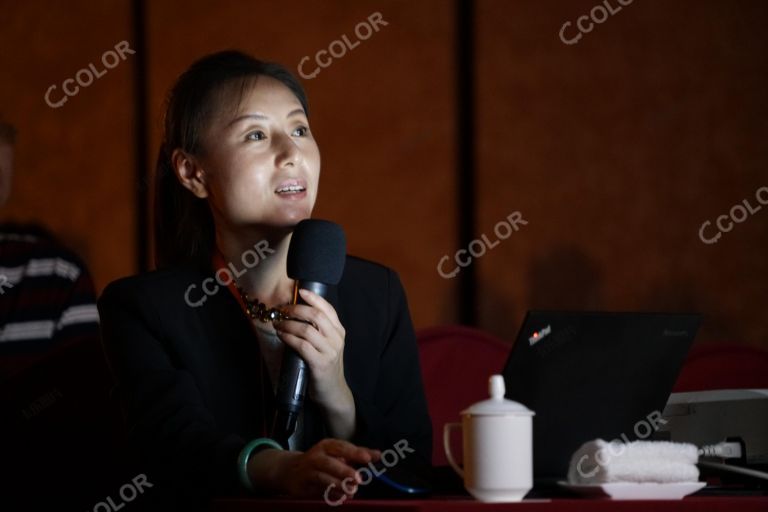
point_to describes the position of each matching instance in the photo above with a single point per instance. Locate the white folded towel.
(598, 462)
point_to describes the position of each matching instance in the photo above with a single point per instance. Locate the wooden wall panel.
(616, 149)
(74, 168)
(382, 114)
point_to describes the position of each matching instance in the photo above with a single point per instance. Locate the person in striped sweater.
(47, 298)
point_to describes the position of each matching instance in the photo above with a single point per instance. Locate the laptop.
(590, 375)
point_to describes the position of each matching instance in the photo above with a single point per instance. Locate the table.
(456, 504)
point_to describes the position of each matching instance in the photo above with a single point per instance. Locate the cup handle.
(447, 446)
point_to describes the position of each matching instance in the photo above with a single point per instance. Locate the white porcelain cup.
(498, 447)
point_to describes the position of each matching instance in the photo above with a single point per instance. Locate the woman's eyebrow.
(263, 117)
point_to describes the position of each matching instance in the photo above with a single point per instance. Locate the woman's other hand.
(325, 470)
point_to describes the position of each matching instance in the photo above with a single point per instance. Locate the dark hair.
(184, 229)
(7, 133)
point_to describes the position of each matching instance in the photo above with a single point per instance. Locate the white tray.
(636, 491)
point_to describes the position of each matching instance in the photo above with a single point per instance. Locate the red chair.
(456, 362)
(723, 366)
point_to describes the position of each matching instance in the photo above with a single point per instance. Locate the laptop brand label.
(540, 335)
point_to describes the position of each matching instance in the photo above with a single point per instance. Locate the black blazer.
(190, 384)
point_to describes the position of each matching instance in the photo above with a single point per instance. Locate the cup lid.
(497, 405)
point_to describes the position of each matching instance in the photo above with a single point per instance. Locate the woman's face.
(260, 162)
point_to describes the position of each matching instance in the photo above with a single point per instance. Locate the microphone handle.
(290, 396)
(321, 289)
(293, 378)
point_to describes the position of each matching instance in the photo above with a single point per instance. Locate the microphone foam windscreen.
(317, 252)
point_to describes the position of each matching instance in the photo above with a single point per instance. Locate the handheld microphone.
(316, 260)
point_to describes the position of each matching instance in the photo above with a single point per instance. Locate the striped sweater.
(47, 298)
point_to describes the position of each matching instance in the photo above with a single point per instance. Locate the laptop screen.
(591, 375)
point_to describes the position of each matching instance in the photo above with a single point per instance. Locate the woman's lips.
(292, 189)
(292, 196)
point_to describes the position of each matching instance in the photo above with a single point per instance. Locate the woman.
(238, 169)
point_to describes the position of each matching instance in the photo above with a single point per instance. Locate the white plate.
(636, 491)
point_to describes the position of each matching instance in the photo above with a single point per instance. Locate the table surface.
(438, 504)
